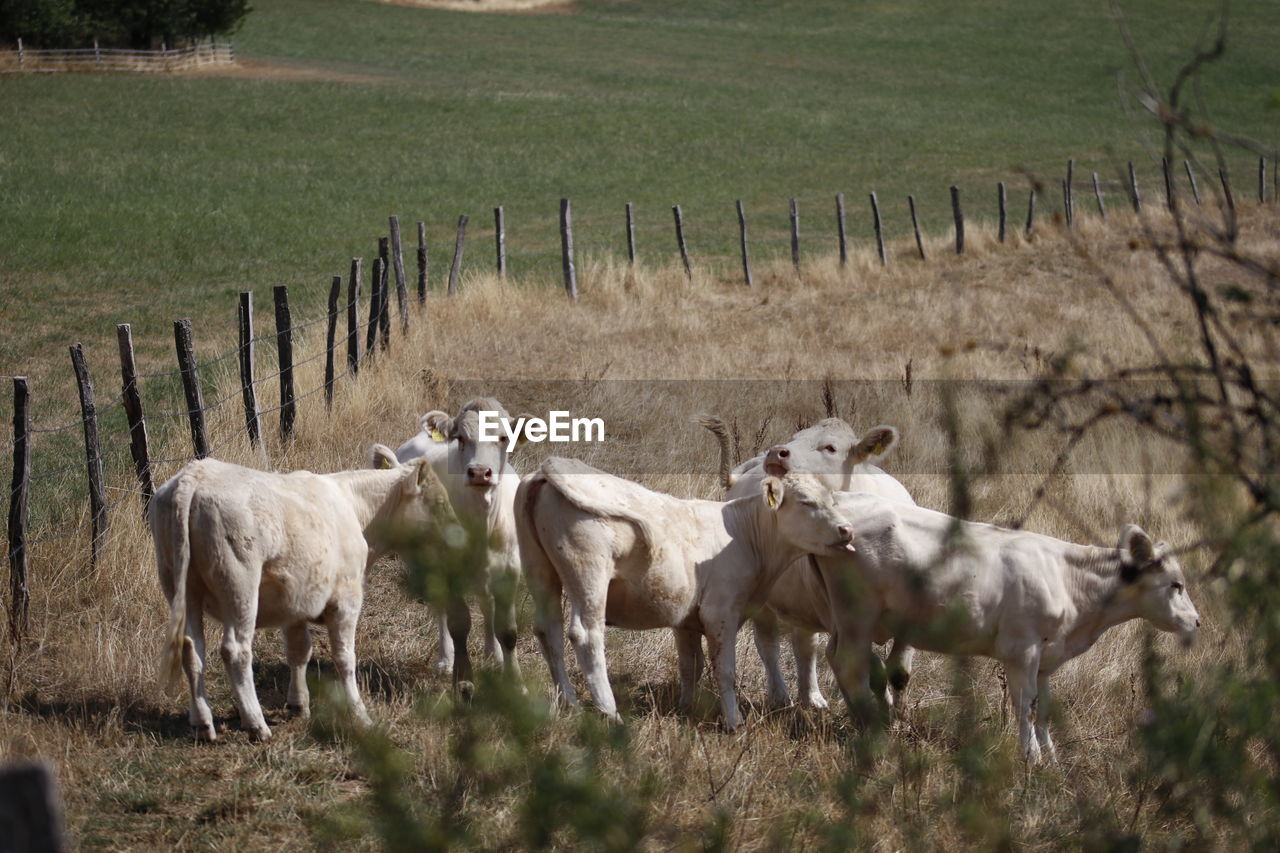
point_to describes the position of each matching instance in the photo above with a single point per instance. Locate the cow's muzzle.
(845, 545)
(480, 475)
(777, 462)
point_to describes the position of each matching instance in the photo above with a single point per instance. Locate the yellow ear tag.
(437, 436)
(386, 463)
(773, 502)
(878, 448)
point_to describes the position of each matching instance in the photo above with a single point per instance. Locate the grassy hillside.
(147, 197)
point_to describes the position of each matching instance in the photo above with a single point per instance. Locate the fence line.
(25, 60)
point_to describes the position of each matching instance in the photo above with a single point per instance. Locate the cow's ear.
(875, 444)
(438, 425)
(1137, 551)
(773, 492)
(382, 457)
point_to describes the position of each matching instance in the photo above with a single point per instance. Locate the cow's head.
(424, 498)
(1152, 575)
(480, 463)
(830, 450)
(805, 514)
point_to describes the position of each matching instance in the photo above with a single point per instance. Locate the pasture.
(141, 199)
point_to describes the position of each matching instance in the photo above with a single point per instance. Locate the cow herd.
(812, 537)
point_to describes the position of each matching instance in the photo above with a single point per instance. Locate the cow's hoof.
(444, 666)
(260, 735)
(303, 711)
(205, 734)
(817, 701)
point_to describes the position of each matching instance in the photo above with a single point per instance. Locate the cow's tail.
(560, 475)
(721, 432)
(178, 549)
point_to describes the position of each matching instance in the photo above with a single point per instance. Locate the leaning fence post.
(915, 225)
(132, 401)
(684, 248)
(1191, 178)
(1097, 193)
(1002, 204)
(959, 218)
(353, 315)
(742, 239)
(566, 249)
(841, 235)
(384, 288)
(422, 262)
(284, 347)
(19, 594)
(1226, 189)
(375, 307)
(335, 289)
(1069, 194)
(1031, 209)
(1168, 182)
(248, 390)
(92, 453)
(875, 215)
(183, 341)
(397, 261)
(631, 234)
(1262, 180)
(456, 269)
(795, 236)
(500, 237)
(1134, 198)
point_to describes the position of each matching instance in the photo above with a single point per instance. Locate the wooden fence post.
(284, 346)
(194, 395)
(456, 270)
(92, 454)
(684, 248)
(1097, 194)
(19, 594)
(1191, 178)
(97, 56)
(959, 218)
(375, 308)
(1168, 182)
(422, 262)
(1134, 198)
(915, 225)
(1226, 189)
(875, 215)
(566, 249)
(353, 316)
(1002, 206)
(841, 234)
(384, 289)
(248, 390)
(397, 260)
(500, 237)
(1031, 209)
(1069, 194)
(335, 289)
(631, 234)
(795, 236)
(132, 401)
(742, 240)
(1262, 180)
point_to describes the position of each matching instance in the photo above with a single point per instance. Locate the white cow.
(639, 559)
(257, 549)
(1030, 601)
(482, 488)
(832, 451)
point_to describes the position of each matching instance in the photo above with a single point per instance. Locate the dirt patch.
(258, 68)
(545, 7)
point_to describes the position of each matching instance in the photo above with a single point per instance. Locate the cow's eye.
(830, 448)
(1177, 587)
(810, 504)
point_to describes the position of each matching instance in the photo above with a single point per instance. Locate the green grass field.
(142, 198)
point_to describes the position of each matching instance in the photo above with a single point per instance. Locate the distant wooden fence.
(111, 59)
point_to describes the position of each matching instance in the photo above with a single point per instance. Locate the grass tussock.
(646, 349)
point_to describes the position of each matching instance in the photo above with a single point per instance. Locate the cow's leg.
(1043, 709)
(504, 614)
(1021, 672)
(691, 662)
(297, 644)
(492, 648)
(200, 715)
(548, 627)
(765, 627)
(459, 628)
(899, 671)
(806, 669)
(586, 632)
(237, 655)
(341, 621)
(444, 650)
(849, 652)
(720, 643)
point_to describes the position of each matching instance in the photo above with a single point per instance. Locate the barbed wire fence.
(766, 236)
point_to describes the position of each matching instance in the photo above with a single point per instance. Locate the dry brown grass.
(81, 691)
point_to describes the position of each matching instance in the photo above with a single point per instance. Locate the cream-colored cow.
(1030, 601)
(843, 460)
(256, 549)
(639, 559)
